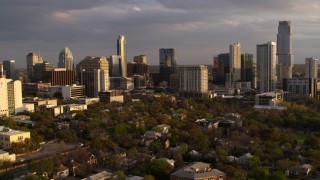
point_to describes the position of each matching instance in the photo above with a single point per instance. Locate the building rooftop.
(7, 131)
(197, 170)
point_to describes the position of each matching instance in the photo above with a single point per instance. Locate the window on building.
(211, 178)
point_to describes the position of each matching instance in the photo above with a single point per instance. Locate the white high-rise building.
(311, 68)
(284, 50)
(101, 81)
(4, 109)
(235, 58)
(193, 80)
(122, 51)
(66, 59)
(11, 97)
(266, 62)
(14, 96)
(234, 64)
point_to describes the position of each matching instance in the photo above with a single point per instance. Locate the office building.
(90, 76)
(32, 59)
(197, 171)
(311, 68)
(114, 66)
(68, 92)
(59, 76)
(122, 51)
(266, 63)
(141, 59)
(111, 96)
(40, 69)
(35, 89)
(168, 64)
(270, 100)
(66, 59)
(299, 88)
(123, 83)
(135, 68)
(193, 81)
(248, 69)
(284, 50)
(221, 66)
(9, 68)
(9, 136)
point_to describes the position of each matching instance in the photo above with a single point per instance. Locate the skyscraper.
(122, 51)
(168, 63)
(115, 66)
(284, 50)
(66, 59)
(235, 60)
(311, 68)
(32, 59)
(141, 59)
(266, 62)
(40, 69)
(246, 67)
(9, 68)
(91, 71)
(193, 80)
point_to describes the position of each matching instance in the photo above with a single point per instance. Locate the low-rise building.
(74, 107)
(88, 101)
(270, 100)
(197, 171)
(111, 96)
(8, 136)
(68, 92)
(5, 156)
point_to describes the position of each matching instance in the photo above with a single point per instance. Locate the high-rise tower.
(284, 50)
(122, 51)
(266, 62)
(235, 60)
(168, 63)
(311, 68)
(66, 59)
(9, 68)
(32, 59)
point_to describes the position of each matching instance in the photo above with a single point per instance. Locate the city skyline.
(198, 30)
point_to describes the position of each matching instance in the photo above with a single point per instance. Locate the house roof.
(197, 170)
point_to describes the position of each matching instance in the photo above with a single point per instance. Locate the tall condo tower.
(311, 70)
(66, 59)
(266, 62)
(284, 50)
(193, 80)
(122, 51)
(9, 68)
(235, 60)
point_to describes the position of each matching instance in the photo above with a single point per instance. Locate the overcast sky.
(198, 29)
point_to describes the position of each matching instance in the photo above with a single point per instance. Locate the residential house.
(244, 158)
(61, 172)
(197, 171)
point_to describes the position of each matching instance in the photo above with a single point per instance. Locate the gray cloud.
(198, 29)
